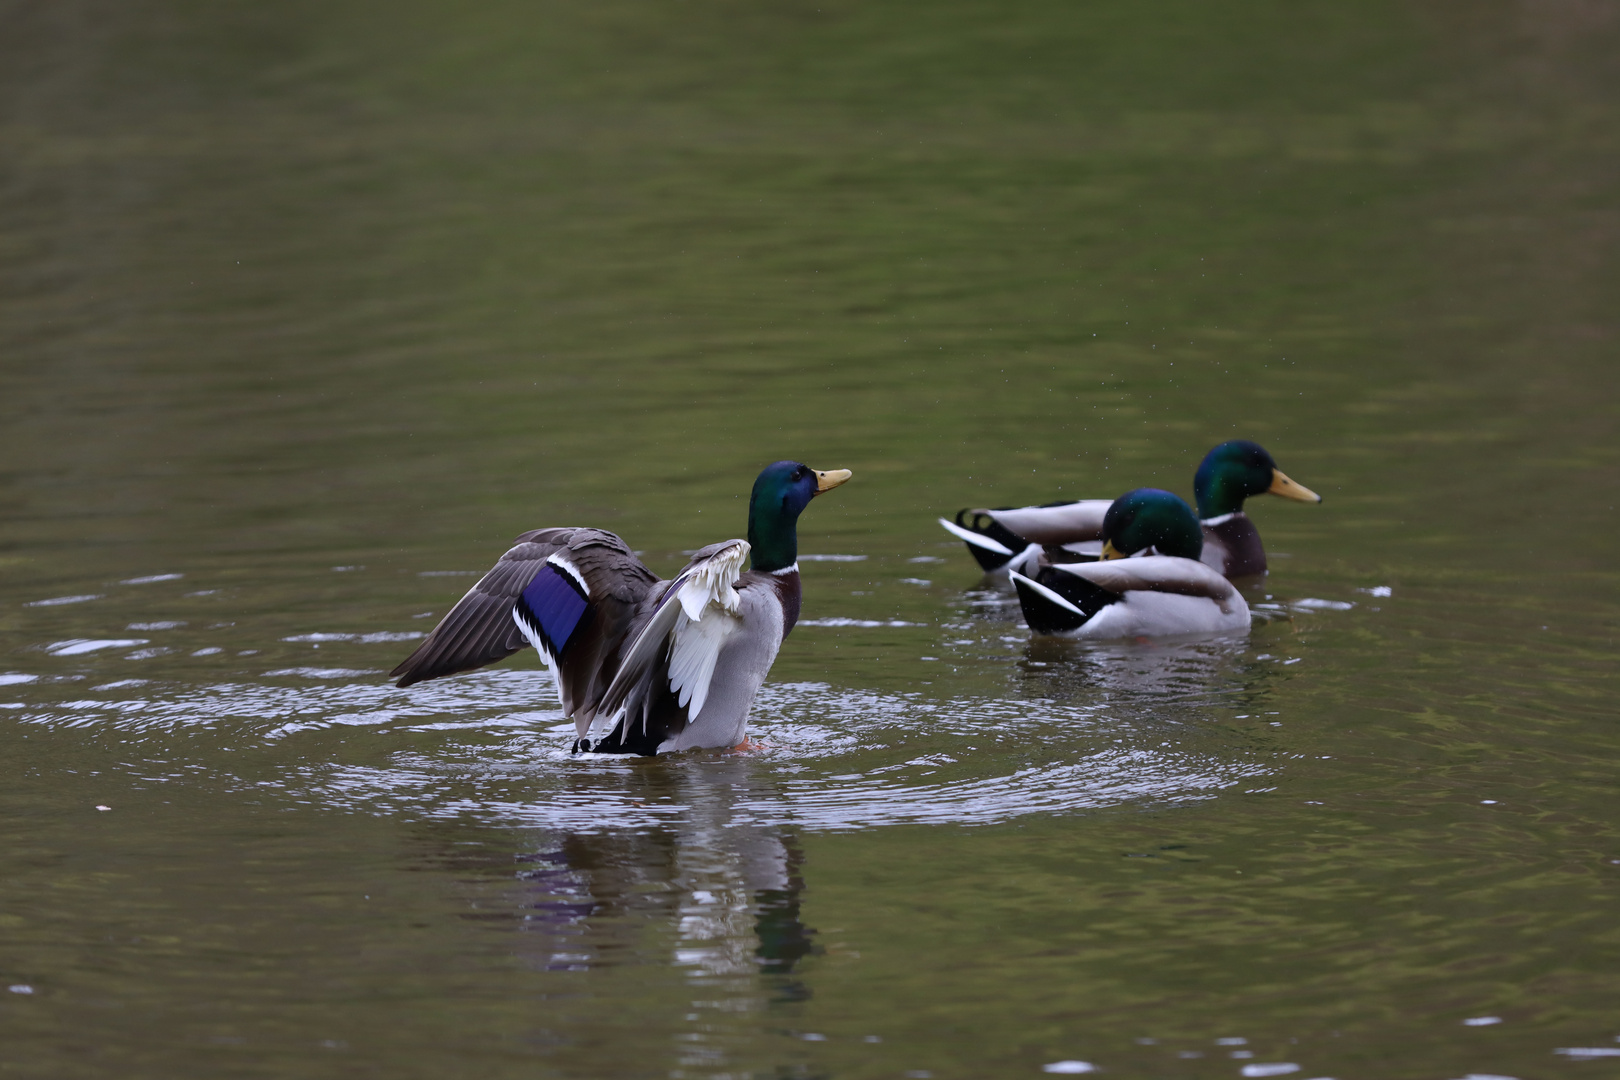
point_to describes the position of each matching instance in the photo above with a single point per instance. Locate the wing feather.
(586, 600)
(1063, 523)
(978, 540)
(695, 649)
(680, 642)
(465, 638)
(1155, 573)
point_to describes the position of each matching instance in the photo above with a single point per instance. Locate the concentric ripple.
(493, 746)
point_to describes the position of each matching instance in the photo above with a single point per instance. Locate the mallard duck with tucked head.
(1149, 581)
(1019, 538)
(642, 665)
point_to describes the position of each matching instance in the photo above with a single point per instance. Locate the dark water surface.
(306, 309)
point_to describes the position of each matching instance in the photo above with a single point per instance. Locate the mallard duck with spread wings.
(642, 665)
(1148, 582)
(1019, 538)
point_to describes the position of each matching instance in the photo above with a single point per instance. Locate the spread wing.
(571, 593)
(675, 652)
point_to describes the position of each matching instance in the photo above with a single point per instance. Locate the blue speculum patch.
(555, 605)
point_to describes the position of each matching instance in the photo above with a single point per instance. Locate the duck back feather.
(1151, 596)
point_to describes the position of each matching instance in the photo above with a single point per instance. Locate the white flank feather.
(711, 582)
(1143, 613)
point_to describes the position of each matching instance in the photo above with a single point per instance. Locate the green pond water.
(307, 308)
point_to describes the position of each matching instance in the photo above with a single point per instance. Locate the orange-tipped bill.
(1281, 485)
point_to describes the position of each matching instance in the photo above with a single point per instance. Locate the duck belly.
(1155, 614)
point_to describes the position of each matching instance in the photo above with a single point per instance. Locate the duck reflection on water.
(727, 891)
(1157, 667)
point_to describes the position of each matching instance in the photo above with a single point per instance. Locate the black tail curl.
(978, 521)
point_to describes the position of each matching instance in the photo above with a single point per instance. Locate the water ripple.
(832, 758)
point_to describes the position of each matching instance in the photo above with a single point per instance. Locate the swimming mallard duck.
(1017, 538)
(643, 666)
(1149, 581)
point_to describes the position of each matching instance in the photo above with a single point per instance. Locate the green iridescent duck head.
(1151, 518)
(1235, 470)
(781, 492)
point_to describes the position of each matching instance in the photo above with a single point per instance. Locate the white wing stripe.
(545, 657)
(974, 538)
(1044, 591)
(571, 570)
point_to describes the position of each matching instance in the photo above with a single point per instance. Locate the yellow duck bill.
(826, 481)
(1288, 489)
